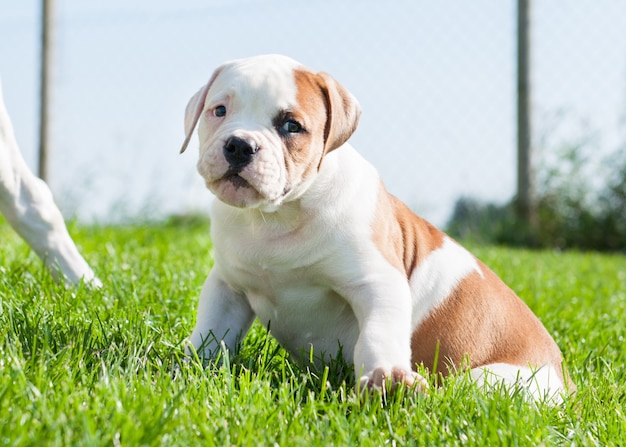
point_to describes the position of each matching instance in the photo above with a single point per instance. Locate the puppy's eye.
(219, 111)
(292, 126)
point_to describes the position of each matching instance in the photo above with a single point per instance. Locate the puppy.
(28, 206)
(308, 240)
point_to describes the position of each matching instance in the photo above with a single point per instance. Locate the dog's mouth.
(236, 180)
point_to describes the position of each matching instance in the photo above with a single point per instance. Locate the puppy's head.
(265, 124)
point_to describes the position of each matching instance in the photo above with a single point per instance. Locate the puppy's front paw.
(389, 379)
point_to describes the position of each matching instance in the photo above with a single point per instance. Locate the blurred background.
(436, 82)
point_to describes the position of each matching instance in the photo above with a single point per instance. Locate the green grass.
(102, 367)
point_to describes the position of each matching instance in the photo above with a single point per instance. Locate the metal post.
(45, 105)
(526, 205)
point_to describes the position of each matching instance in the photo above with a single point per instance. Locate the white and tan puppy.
(308, 240)
(27, 204)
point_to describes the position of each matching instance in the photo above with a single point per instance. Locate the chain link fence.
(436, 81)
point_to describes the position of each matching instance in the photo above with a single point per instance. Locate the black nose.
(238, 152)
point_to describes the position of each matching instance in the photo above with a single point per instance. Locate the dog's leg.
(28, 206)
(542, 384)
(223, 316)
(382, 355)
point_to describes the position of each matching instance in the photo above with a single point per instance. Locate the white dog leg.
(27, 204)
(542, 384)
(223, 317)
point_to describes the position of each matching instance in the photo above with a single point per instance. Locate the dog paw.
(389, 379)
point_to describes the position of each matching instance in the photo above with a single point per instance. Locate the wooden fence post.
(526, 204)
(45, 104)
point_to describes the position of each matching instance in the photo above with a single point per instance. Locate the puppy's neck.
(286, 214)
(285, 218)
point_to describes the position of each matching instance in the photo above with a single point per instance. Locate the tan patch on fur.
(320, 93)
(303, 151)
(404, 239)
(483, 321)
(343, 112)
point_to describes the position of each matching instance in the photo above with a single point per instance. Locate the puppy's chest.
(259, 260)
(273, 281)
(291, 292)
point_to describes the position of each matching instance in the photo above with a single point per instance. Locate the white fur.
(438, 275)
(542, 384)
(28, 206)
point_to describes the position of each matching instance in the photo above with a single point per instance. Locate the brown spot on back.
(402, 237)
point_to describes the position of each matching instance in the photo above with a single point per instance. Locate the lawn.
(103, 367)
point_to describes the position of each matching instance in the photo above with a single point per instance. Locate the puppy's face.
(265, 124)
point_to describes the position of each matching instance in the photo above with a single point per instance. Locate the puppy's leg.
(382, 355)
(542, 384)
(28, 206)
(223, 316)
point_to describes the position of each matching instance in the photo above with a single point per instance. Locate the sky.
(436, 82)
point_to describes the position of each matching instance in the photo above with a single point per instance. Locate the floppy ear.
(194, 110)
(343, 112)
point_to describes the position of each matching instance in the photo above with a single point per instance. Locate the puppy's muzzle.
(239, 152)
